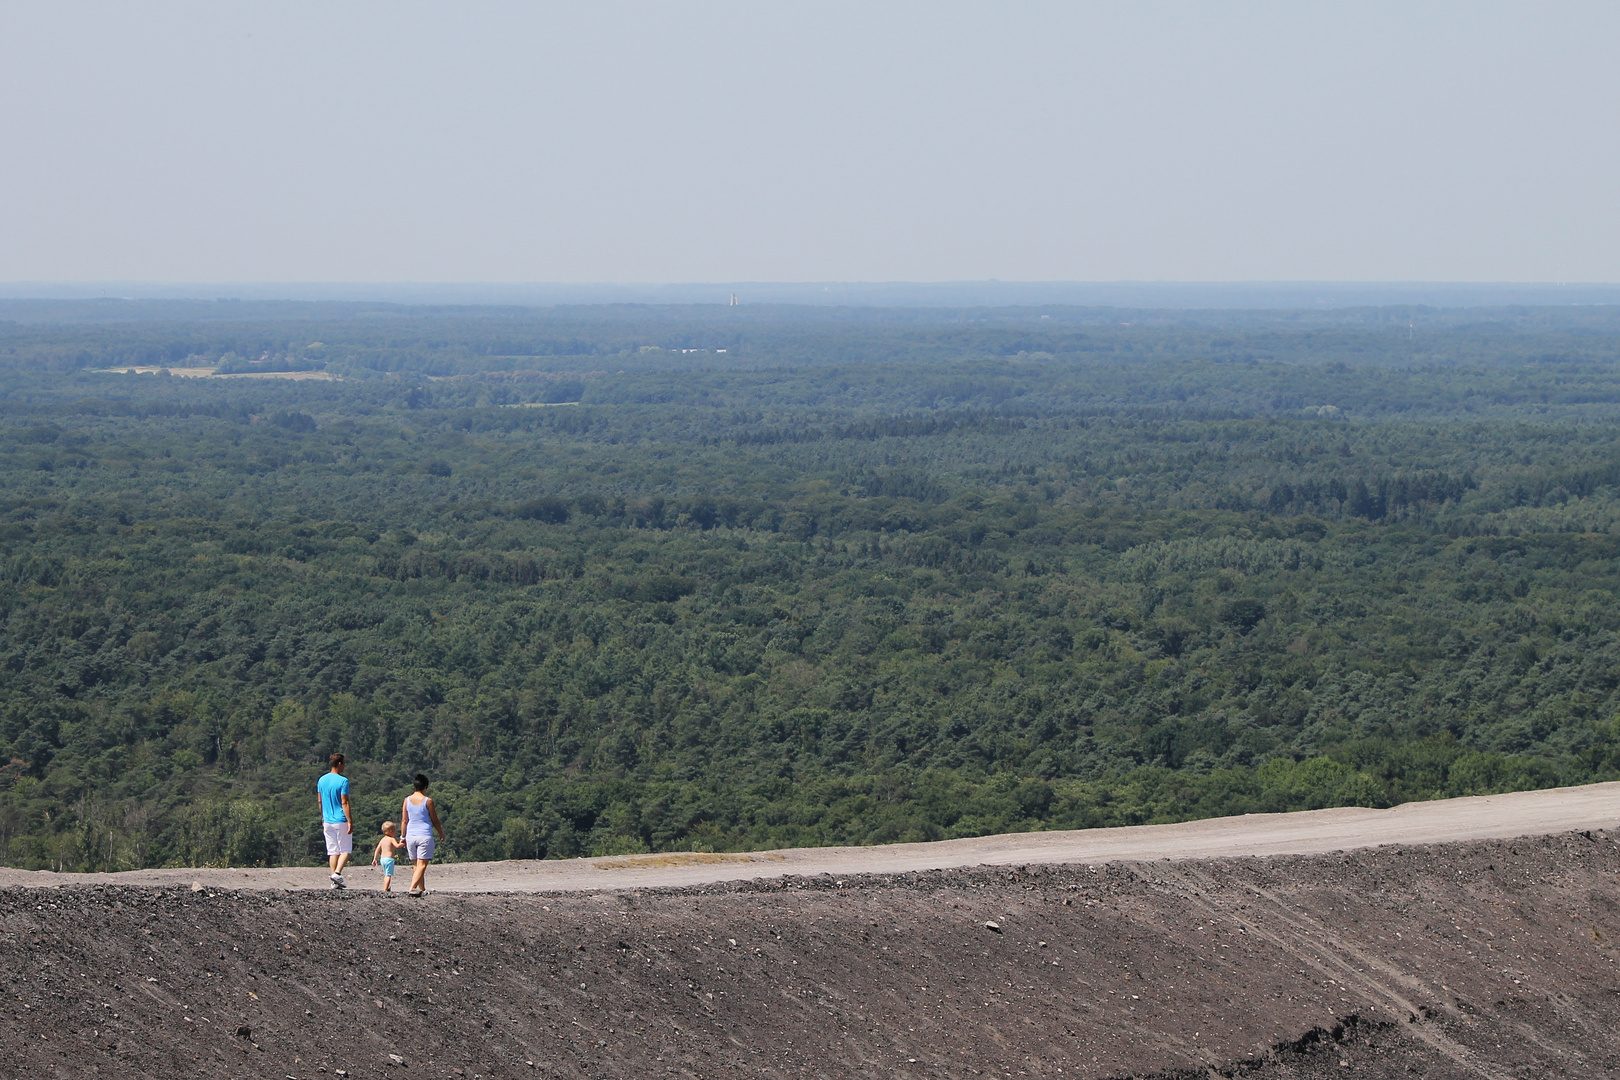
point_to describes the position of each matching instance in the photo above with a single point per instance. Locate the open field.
(211, 373)
(149, 369)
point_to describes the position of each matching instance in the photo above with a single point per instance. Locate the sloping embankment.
(1485, 959)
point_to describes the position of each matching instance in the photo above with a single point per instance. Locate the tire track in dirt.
(1317, 945)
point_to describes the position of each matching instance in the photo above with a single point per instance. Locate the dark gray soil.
(1485, 959)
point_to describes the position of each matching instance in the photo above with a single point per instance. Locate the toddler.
(384, 855)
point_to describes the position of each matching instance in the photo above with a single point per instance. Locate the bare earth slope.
(1480, 958)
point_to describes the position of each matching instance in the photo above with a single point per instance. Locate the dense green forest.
(859, 577)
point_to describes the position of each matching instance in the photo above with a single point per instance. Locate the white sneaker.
(337, 882)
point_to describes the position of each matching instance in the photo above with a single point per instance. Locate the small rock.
(196, 886)
(1043, 944)
(244, 1032)
(396, 1059)
(993, 926)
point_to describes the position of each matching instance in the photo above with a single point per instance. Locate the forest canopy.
(635, 579)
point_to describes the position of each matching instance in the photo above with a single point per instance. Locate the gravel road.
(1312, 832)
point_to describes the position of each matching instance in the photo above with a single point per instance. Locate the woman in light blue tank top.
(421, 820)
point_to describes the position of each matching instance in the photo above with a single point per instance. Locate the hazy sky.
(809, 141)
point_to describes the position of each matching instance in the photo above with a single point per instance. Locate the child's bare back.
(386, 851)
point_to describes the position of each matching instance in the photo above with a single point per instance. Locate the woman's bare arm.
(433, 813)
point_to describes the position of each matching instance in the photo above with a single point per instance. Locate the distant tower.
(733, 299)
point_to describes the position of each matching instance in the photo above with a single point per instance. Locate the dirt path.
(1488, 817)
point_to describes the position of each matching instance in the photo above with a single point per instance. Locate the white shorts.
(419, 847)
(339, 838)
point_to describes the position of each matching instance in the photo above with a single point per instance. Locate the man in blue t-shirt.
(335, 820)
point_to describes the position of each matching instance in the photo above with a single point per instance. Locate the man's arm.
(348, 818)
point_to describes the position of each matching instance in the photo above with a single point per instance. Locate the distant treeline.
(857, 579)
